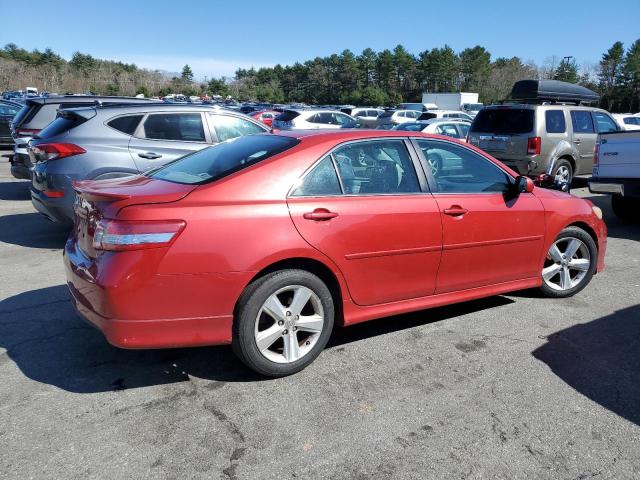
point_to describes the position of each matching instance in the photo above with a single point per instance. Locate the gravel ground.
(508, 387)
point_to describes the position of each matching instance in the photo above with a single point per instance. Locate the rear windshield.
(25, 114)
(503, 120)
(60, 125)
(287, 116)
(223, 159)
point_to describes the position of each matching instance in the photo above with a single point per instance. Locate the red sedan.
(267, 241)
(265, 116)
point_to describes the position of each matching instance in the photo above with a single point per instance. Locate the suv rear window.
(223, 159)
(504, 120)
(126, 124)
(61, 124)
(287, 116)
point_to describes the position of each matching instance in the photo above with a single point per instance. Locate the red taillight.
(534, 145)
(55, 151)
(53, 193)
(27, 132)
(135, 235)
(596, 153)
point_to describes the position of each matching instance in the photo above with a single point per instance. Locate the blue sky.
(216, 38)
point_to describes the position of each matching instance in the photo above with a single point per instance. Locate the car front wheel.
(570, 263)
(282, 323)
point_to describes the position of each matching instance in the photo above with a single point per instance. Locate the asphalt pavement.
(509, 387)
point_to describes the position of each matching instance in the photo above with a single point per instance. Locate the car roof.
(89, 99)
(444, 120)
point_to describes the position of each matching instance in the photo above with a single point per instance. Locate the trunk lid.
(96, 200)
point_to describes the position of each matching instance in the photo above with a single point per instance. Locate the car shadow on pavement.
(601, 360)
(49, 343)
(32, 230)
(15, 191)
(615, 228)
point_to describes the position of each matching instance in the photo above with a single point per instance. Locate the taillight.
(534, 145)
(135, 235)
(55, 151)
(596, 153)
(27, 132)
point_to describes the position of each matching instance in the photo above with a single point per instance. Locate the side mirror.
(523, 184)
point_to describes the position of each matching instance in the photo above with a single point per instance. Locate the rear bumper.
(523, 166)
(136, 308)
(55, 209)
(615, 186)
(20, 166)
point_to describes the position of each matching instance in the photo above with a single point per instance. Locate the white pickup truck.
(616, 170)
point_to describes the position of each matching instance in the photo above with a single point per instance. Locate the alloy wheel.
(289, 324)
(563, 174)
(566, 264)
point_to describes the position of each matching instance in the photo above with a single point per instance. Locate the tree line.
(386, 77)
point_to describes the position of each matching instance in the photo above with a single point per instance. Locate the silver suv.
(548, 134)
(108, 142)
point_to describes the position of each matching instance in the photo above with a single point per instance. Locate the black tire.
(626, 209)
(583, 236)
(562, 164)
(249, 305)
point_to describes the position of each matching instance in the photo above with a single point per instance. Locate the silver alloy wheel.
(563, 174)
(289, 324)
(567, 264)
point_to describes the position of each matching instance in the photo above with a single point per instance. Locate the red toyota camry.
(268, 241)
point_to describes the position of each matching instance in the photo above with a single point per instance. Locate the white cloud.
(201, 66)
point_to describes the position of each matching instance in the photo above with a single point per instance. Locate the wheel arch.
(321, 270)
(588, 229)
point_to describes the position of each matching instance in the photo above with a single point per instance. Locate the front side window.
(223, 159)
(581, 121)
(604, 123)
(186, 127)
(456, 169)
(321, 181)
(376, 167)
(228, 127)
(555, 121)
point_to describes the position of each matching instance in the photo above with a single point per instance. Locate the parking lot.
(507, 387)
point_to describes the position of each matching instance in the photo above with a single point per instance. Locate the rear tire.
(570, 263)
(563, 171)
(282, 322)
(626, 209)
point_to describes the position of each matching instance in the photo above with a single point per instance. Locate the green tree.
(567, 71)
(187, 74)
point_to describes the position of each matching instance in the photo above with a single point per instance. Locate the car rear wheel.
(282, 323)
(570, 263)
(563, 172)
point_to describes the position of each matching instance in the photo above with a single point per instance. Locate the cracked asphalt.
(508, 387)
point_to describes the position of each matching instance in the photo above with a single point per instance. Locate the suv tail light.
(534, 145)
(27, 132)
(118, 235)
(55, 151)
(596, 153)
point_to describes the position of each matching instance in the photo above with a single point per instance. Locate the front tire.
(570, 263)
(282, 322)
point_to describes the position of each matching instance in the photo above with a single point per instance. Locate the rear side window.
(186, 127)
(604, 123)
(223, 159)
(60, 125)
(555, 121)
(504, 120)
(126, 124)
(581, 121)
(228, 127)
(321, 181)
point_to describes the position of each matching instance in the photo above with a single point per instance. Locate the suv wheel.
(570, 263)
(283, 321)
(563, 172)
(626, 209)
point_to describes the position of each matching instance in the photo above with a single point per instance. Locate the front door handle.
(149, 155)
(319, 215)
(455, 211)
(577, 141)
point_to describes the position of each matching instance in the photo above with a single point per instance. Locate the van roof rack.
(551, 91)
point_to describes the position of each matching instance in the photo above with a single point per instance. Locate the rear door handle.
(319, 215)
(577, 141)
(149, 155)
(455, 211)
